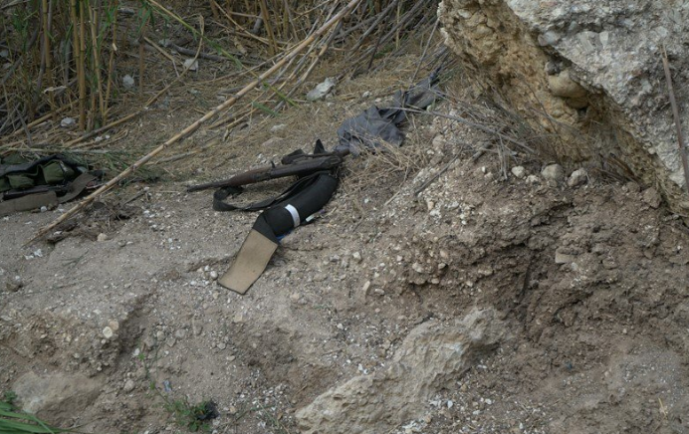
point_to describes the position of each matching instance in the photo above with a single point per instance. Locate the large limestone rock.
(58, 396)
(588, 71)
(432, 356)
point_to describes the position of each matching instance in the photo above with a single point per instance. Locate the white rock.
(128, 82)
(68, 122)
(532, 179)
(191, 65)
(128, 386)
(102, 237)
(108, 333)
(578, 177)
(320, 91)
(553, 172)
(518, 171)
(276, 128)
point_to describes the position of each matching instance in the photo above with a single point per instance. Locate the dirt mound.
(589, 281)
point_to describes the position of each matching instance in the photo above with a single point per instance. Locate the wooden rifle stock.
(308, 166)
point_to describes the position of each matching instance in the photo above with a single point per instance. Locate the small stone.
(238, 318)
(450, 404)
(518, 172)
(214, 275)
(44, 209)
(652, 197)
(128, 386)
(191, 65)
(222, 346)
(532, 179)
(366, 286)
(181, 334)
(196, 328)
(108, 333)
(632, 187)
(578, 177)
(276, 128)
(295, 296)
(128, 82)
(320, 91)
(68, 122)
(366, 94)
(13, 285)
(357, 257)
(553, 172)
(563, 258)
(102, 237)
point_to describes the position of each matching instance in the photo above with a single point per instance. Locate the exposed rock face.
(56, 395)
(431, 356)
(589, 71)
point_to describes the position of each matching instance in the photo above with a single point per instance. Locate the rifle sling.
(221, 194)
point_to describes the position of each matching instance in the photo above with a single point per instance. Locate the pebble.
(128, 82)
(553, 172)
(13, 285)
(518, 171)
(108, 333)
(578, 177)
(321, 90)
(366, 287)
(357, 257)
(102, 237)
(214, 275)
(532, 179)
(181, 334)
(68, 122)
(366, 94)
(128, 386)
(222, 346)
(191, 65)
(238, 318)
(276, 128)
(652, 197)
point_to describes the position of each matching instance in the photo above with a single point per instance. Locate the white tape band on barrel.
(295, 215)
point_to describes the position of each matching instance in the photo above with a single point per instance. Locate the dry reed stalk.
(103, 128)
(272, 48)
(142, 64)
(46, 50)
(81, 79)
(111, 61)
(194, 126)
(93, 23)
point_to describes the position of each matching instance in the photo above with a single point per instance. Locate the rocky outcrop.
(430, 357)
(587, 71)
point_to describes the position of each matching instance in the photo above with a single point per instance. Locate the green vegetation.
(14, 421)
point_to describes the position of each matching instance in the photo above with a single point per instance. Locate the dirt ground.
(102, 328)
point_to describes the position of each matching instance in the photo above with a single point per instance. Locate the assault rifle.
(298, 163)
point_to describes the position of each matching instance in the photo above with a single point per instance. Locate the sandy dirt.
(103, 327)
